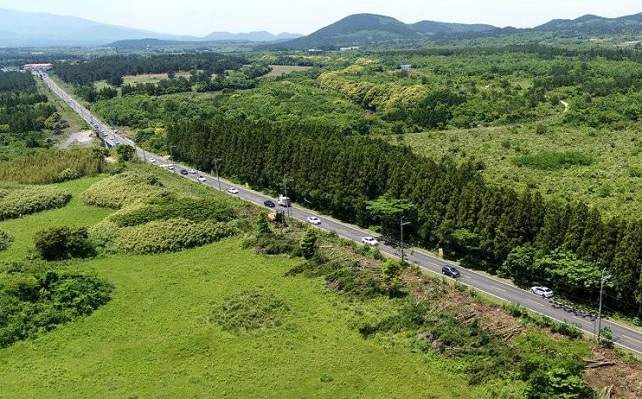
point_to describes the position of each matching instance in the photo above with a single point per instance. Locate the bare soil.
(280, 70)
(624, 376)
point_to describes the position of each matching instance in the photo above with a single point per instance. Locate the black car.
(183, 172)
(269, 203)
(450, 271)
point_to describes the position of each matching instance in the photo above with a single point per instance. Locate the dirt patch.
(84, 138)
(624, 376)
(280, 70)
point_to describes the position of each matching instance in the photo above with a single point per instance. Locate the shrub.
(58, 243)
(53, 166)
(308, 243)
(124, 189)
(28, 200)
(171, 235)
(38, 299)
(192, 209)
(5, 240)
(250, 310)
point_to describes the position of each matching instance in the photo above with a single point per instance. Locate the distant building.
(10, 69)
(405, 67)
(315, 50)
(351, 48)
(37, 67)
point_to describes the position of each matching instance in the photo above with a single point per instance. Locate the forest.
(24, 114)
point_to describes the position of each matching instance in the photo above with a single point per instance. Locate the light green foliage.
(168, 236)
(124, 189)
(23, 201)
(53, 166)
(554, 160)
(391, 274)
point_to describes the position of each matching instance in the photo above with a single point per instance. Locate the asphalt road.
(623, 336)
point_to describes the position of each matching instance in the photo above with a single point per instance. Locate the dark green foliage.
(251, 310)
(308, 243)
(273, 244)
(36, 299)
(5, 240)
(113, 68)
(554, 160)
(125, 153)
(557, 383)
(58, 243)
(194, 209)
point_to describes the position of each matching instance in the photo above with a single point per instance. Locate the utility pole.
(171, 153)
(287, 180)
(401, 224)
(603, 279)
(216, 161)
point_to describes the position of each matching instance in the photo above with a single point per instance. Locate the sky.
(201, 17)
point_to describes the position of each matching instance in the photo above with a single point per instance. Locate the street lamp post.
(603, 279)
(216, 161)
(401, 224)
(171, 153)
(286, 180)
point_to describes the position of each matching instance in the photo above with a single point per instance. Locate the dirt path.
(84, 138)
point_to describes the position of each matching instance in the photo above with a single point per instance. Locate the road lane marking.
(631, 338)
(498, 288)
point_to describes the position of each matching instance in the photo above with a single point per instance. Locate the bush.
(193, 209)
(5, 240)
(124, 189)
(58, 243)
(171, 235)
(554, 160)
(28, 200)
(39, 299)
(250, 310)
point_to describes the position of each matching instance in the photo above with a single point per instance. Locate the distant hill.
(261, 36)
(25, 29)
(365, 29)
(355, 30)
(433, 27)
(595, 24)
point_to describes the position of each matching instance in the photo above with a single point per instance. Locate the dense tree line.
(477, 223)
(113, 68)
(164, 86)
(24, 112)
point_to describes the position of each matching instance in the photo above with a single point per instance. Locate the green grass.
(155, 340)
(75, 214)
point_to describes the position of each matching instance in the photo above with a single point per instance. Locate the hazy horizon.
(197, 18)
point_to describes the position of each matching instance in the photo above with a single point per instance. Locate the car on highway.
(369, 240)
(314, 220)
(202, 179)
(170, 167)
(183, 172)
(542, 291)
(233, 190)
(152, 160)
(450, 271)
(269, 204)
(192, 171)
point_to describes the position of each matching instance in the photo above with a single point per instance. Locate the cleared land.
(280, 70)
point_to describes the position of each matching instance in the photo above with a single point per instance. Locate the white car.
(369, 240)
(152, 160)
(233, 190)
(202, 179)
(544, 292)
(192, 171)
(314, 220)
(170, 167)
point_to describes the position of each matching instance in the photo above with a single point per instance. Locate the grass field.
(155, 339)
(613, 182)
(150, 77)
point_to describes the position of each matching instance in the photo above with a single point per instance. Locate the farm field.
(280, 70)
